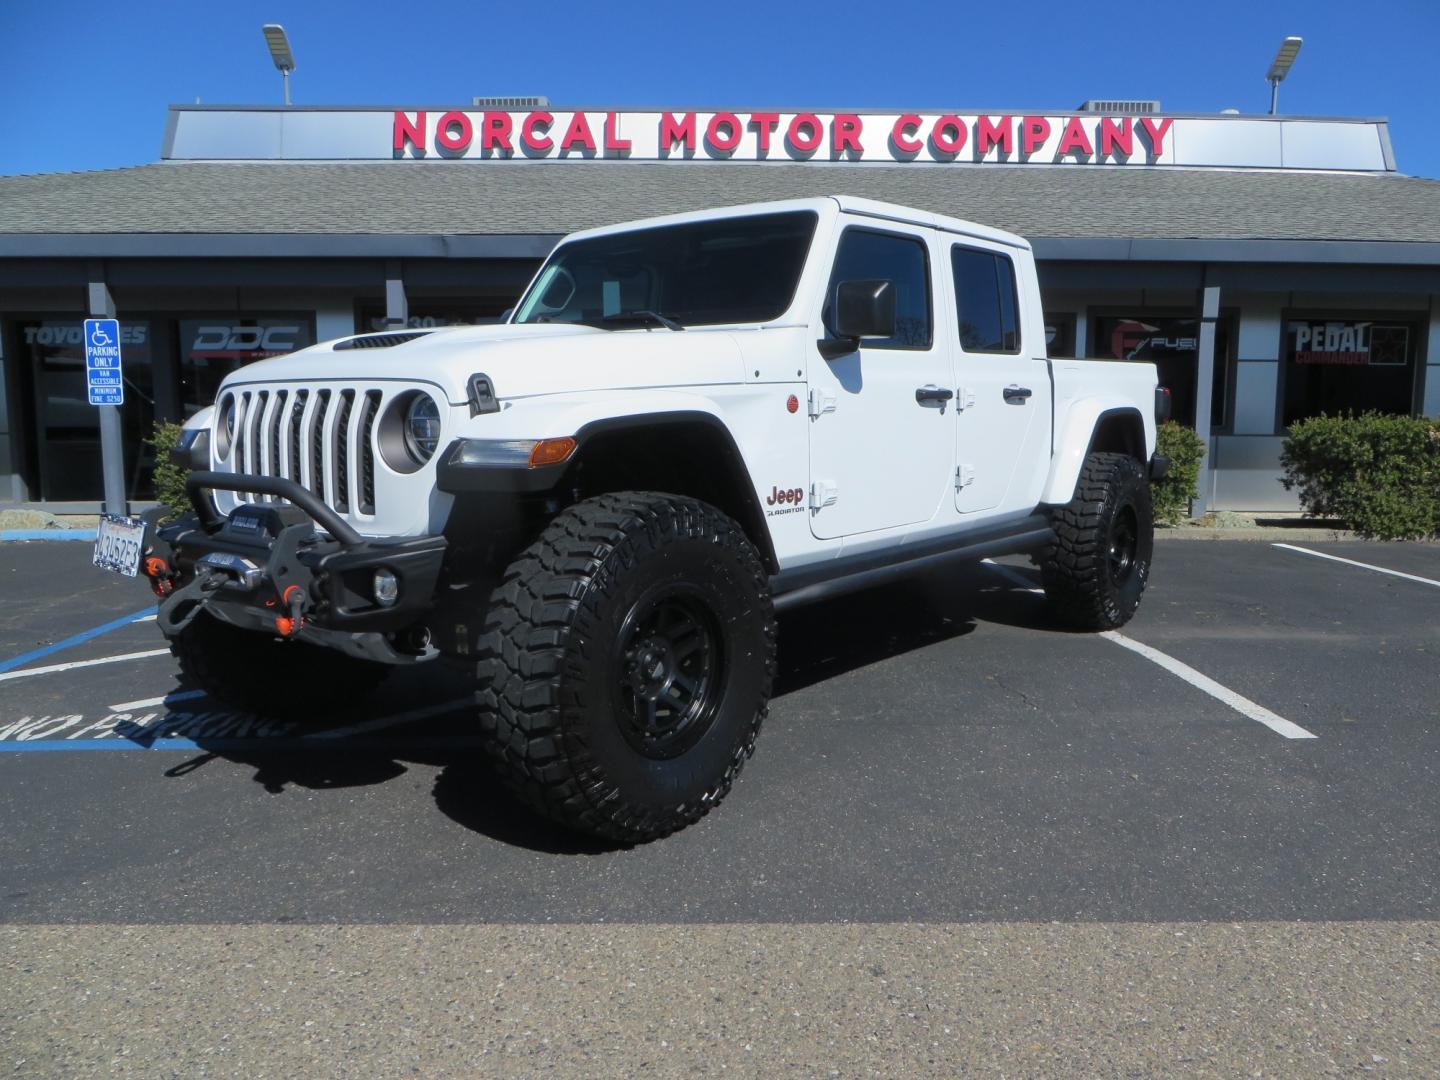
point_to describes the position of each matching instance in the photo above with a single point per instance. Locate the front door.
(1002, 391)
(882, 429)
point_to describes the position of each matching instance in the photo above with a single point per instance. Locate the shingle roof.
(459, 198)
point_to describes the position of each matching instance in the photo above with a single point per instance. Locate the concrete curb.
(46, 534)
(1267, 533)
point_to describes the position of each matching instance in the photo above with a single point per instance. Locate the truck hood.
(521, 360)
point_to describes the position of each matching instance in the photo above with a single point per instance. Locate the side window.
(865, 255)
(985, 300)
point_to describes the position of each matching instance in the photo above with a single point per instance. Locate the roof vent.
(510, 102)
(1118, 107)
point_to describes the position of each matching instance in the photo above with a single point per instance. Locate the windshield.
(732, 270)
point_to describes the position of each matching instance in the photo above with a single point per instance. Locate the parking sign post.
(105, 380)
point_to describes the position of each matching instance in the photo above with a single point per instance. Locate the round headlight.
(225, 427)
(422, 428)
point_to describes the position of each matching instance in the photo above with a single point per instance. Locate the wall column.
(397, 305)
(1204, 391)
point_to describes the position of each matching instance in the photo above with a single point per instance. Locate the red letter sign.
(1157, 133)
(496, 132)
(763, 124)
(1075, 141)
(948, 135)
(902, 134)
(1000, 133)
(613, 143)
(845, 133)
(811, 142)
(730, 124)
(458, 142)
(673, 131)
(537, 121)
(1116, 139)
(578, 132)
(1037, 130)
(405, 132)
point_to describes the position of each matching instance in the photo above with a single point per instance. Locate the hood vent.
(379, 341)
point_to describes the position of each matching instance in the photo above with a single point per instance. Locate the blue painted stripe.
(79, 639)
(47, 534)
(304, 742)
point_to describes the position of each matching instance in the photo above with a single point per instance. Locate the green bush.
(1379, 474)
(1172, 495)
(169, 477)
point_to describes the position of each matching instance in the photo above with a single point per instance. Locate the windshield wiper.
(642, 315)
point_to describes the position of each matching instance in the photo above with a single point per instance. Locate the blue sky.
(85, 84)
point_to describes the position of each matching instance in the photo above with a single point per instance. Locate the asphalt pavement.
(1224, 820)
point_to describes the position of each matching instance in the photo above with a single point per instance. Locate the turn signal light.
(551, 451)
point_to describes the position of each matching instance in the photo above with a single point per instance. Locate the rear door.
(1002, 390)
(880, 454)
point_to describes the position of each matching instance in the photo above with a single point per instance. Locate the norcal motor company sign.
(363, 133)
(760, 136)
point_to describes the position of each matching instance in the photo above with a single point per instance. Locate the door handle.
(933, 393)
(1017, 395)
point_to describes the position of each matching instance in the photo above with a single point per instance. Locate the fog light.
(387, 587)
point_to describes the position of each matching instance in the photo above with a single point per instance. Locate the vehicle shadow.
(816, 643)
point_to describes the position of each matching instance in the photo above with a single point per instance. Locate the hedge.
(1380, 474)
(169, 477)
(1172, 495)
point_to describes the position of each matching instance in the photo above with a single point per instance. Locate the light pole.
(285, 59)
(1280, 67)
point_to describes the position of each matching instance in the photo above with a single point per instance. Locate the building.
(1273, 267)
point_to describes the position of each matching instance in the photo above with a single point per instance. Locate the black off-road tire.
(257, 673)
(581, 709)
(1099, 562)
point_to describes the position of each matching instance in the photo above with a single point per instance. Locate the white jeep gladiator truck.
(687, 425)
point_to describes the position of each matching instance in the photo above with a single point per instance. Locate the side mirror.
(864, 309)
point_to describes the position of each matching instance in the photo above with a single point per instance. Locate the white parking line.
(152, 702)
(53, 668)
(1241, 704)
(1362, 565)
(1238, 702)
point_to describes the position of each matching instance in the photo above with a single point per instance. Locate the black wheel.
(1096, 569)
(626, 665)
(290, 680)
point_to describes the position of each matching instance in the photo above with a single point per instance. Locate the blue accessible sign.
(102, 362)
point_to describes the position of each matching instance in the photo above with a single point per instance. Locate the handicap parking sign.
(102, 362)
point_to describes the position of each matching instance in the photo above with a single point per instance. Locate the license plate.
(119, 543)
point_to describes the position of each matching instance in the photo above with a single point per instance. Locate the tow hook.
(162, 578)
(294, 602)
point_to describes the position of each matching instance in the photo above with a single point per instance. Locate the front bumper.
(268, 568)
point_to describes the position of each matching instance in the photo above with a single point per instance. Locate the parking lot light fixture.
(281, 53)
(1280, 67)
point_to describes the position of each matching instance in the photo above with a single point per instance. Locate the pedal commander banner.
(332, 134)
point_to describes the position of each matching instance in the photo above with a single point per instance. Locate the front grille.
(340, 450)
(324, 439)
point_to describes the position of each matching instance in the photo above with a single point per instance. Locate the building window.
(1337, 366)
(211, 348)
(425, 314)
(63, 455)
(1172, 344)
